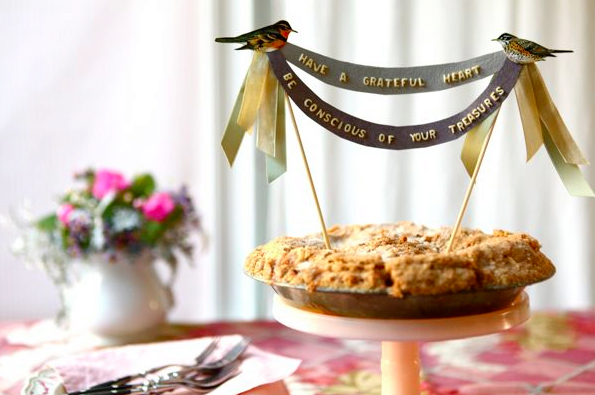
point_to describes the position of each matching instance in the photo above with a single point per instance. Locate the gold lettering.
(343, 77)
(499, 90)
(311, 63)
(460, 126)
(488, 103)
(366, 81)
(460, 75)
(288, 76)
(391, 137)
(452, 128)
(432, 134)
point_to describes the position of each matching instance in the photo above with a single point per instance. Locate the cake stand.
(400, 363)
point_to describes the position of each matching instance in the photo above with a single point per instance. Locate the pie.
(401, 259)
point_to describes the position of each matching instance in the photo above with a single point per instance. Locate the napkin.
(258, 368)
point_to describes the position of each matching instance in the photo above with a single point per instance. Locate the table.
(553, 353)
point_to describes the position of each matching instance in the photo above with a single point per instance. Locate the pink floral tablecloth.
(554, 353)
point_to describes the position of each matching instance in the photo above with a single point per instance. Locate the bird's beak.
(495, 39)
(295, 31)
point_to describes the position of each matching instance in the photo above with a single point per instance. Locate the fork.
(201, 386)
(192, 375)
(126, 379)
(230, 356)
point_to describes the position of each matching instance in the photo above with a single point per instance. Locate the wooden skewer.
(327, 242)
(482, 152)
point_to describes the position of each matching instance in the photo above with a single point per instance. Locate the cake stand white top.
(432, 329)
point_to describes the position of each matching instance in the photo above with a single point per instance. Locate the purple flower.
(107, 181)
(158, 206)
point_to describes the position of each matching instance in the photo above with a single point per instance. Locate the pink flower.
(107, 181)
(158, 206)
(63, 213)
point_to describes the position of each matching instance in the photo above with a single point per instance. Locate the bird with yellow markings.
(266, 39)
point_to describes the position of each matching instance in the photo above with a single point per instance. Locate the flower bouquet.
(108, 218)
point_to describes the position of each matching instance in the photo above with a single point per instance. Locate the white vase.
(125, 299)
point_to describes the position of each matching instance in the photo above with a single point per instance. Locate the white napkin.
(258, 367)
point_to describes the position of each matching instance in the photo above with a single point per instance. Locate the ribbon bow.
(260, 106)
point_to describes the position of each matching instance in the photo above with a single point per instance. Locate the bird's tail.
(560, 50)
(228, 40)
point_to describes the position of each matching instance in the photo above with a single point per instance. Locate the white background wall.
(141, 86)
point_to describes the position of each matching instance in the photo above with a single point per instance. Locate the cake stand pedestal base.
(400, 364)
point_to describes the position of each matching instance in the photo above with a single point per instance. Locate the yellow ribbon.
(259, 105)
(542, 124)
(474, 141)
(525, 98)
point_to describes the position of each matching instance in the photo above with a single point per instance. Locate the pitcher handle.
(168, 285)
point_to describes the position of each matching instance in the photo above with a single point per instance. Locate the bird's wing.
(260, 40)
(534, 48)
(250, 35)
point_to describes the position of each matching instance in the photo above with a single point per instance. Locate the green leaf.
(143, 185)
(47, 223)
(152, 231)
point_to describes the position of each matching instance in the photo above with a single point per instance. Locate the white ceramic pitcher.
(123, 299)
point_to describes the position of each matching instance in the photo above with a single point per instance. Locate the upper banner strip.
(372, 134)
(393, 80)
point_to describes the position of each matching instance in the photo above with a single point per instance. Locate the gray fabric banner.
(392, 80)
(396, 137)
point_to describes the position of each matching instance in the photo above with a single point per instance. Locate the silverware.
(128, 378)
(199, 376)
(233, 354)
(199, 385)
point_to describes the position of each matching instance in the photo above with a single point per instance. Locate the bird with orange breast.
(524, 51)
(265, 39)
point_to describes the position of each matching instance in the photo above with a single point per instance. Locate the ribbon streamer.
(259, 105)
(474, 141)
(543, 125)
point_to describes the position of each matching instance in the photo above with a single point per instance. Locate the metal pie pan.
(384, 306)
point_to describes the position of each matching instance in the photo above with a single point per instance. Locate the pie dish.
(400, 270)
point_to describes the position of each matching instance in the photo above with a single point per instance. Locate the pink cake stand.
(400, 364)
